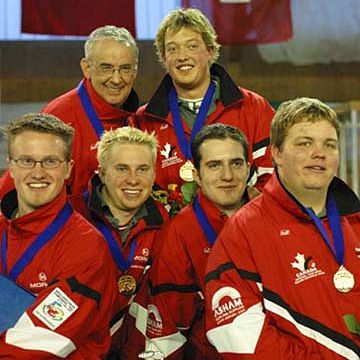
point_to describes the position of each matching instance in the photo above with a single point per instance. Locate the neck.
(231, 209)
(123, 216)
(193, 93)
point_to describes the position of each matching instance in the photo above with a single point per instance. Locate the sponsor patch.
(169, 155)
(154, 321)
(226, 304)
(55, 309)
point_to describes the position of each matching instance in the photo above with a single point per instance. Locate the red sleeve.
(262, 114)
(70, 318)
(6, 184)
(175, 296)
(237, 323)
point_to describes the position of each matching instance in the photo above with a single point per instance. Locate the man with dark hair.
(51, 251)
(176, 326)
(103, 100)
(196, 92)
(283, 280)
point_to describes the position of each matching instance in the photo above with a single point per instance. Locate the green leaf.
(188, 191)
(352, 324)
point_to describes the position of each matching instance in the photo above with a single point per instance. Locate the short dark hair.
(41, 123)
(220, 132)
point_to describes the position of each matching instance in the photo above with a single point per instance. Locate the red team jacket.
(176, 324)
(238, 107)
(270, 291)
(128, 341)
(68, 108)
(74, 269)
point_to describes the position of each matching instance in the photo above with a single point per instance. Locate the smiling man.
(176, 327)
(51, 251)
(103, 100)
(196, 92)
(283, 279)
(118, 202)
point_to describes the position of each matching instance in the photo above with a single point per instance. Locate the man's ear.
(85, 67)
(101, 174)
(276, 155)
(196, 176)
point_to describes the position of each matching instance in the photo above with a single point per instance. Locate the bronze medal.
(186, 171)
(127, 285)
(344, 280)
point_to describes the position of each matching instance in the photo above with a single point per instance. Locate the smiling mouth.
(38, 185)
(184, 67)
(316, 168)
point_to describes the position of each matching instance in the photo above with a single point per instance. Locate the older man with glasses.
(103, 100)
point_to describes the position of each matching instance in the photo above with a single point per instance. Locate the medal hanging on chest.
(127, 285)
(343, 279)
(186, 170)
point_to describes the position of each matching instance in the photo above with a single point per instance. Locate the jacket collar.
(104, 109)
(229, 92)
(153, 219)
(346, 200)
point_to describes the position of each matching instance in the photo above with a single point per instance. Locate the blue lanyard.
(199, 121)
(37, 245)
(208, 230)
(89, 109)
(335, 228)
(121, 262)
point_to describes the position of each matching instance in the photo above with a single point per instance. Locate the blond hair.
(124, 136)
(193, 19)
(299, 110)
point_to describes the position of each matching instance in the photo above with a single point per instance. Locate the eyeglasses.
(29, 163)
(108, 70)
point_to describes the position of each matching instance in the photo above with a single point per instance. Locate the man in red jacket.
(196, 92)
(104, 99)
(119, 204)
(52, 252)
(176, 325)
(283, 279)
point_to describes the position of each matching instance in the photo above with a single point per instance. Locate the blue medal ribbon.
(121, 262)
(89, 109)
(335, 227)
(208, 230)
(37, 244)
(184, 144)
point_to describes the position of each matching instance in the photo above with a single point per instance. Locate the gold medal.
(186, 171)
(344, 280)
(127, 285)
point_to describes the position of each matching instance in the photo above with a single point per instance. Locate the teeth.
(185, 67)
(132, 192)
(38, 185)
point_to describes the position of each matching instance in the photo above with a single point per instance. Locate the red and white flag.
(247, 21)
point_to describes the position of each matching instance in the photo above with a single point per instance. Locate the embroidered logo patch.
(55, 309)
(226, 304)
(307, 268)
(169, 155)
(154, 321)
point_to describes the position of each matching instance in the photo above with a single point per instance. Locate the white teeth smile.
(38, 185)
(185, 67)
(132, 192)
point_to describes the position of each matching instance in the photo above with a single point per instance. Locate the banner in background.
(75, 17)
(247, 22)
